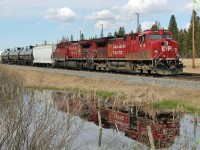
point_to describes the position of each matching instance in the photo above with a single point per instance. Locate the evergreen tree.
(139, 28)
(183, 43)
(173, 27)
(131, 32)
(155, 26)
(71, 38)
(64, 38)
(121, 31)
(109, 34)
(82, 37)
(115, 34)
(180, 40)
(197, 41)
(186, 45)
(189, 41)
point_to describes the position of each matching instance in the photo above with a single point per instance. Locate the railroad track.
(183, 76)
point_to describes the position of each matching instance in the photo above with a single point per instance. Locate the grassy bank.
(135, 93)
(188, 64)
(174, 105)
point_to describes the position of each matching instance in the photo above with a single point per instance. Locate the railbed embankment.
(135, 88)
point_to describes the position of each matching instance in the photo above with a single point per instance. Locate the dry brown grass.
(188, 64)
(133, 92)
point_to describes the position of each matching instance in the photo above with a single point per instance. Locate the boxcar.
(43, 55)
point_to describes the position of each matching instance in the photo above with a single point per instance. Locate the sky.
(30, 22)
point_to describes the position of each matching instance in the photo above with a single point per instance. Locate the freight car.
(1, 51)
(4, 55)
(26, 56)
(42, 55)
(153, 52)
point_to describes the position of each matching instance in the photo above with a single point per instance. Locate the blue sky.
(25, 22)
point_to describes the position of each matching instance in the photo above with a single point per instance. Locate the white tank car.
(1, 51)
(43, 55)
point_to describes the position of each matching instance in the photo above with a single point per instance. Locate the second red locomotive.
(146, 52)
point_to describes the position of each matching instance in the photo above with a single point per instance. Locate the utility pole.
(80, 34)
(193, 46)
(102, 30)
(138, 23)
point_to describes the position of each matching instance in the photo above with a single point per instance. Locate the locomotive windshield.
(167, 36)
(153, 36)
(157, 36)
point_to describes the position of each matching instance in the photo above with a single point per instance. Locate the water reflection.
(131, 120)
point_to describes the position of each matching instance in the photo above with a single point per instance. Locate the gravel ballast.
(193, 85)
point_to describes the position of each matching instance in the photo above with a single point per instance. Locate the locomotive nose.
(165, 43)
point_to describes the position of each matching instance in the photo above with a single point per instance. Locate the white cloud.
(106, 25)
(187, 26)
(147, 25)
(189, 6)
(62, 15)
(145, 6)
(102, 15)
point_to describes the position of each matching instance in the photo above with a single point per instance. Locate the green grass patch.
(44, 88)
(172, 105)
(105, 94)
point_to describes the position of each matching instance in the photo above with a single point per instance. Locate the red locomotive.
(147, 52)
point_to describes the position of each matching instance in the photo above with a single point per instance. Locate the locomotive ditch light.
(156, 51)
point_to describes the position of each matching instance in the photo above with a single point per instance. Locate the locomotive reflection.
(132, 122)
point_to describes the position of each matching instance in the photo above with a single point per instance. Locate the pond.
(67, 120)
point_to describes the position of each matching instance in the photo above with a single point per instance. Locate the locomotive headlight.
(166, 43)
(156, 51)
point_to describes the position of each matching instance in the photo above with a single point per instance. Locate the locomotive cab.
(163, 51)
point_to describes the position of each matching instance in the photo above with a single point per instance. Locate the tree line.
(182, 36)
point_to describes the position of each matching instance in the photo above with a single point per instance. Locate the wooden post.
(100, 137)
(193, 46)
(151, 138)
(100, 123)
(99, 118)
(68, 113)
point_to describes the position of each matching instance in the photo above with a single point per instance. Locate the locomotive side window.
(167, 36)
(101, 44)
(142, 38)
(86, 46)
(153, 36)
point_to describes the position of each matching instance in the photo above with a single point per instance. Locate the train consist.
(153, 52)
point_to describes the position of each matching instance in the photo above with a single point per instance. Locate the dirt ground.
(188, 64)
